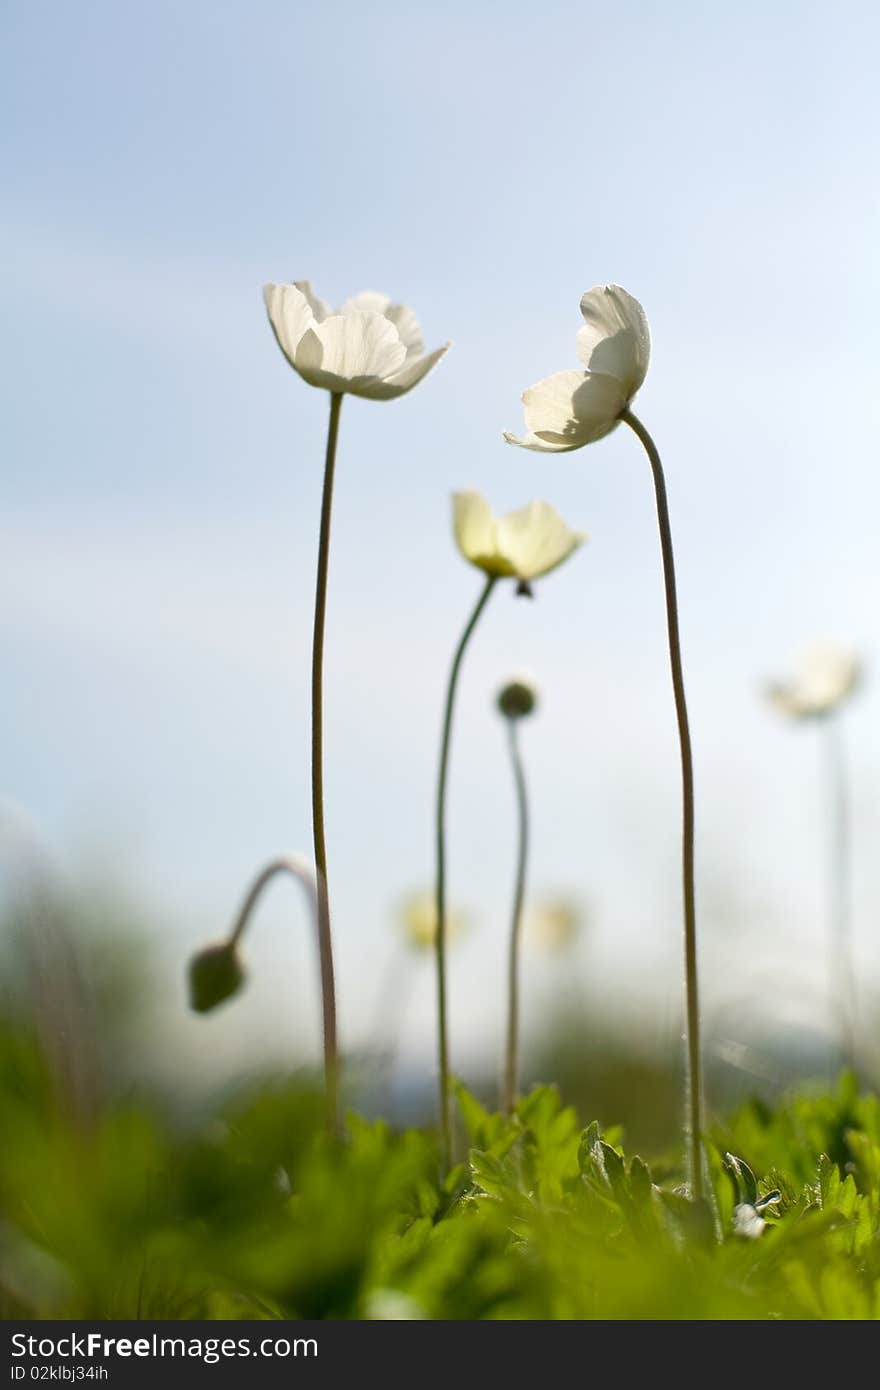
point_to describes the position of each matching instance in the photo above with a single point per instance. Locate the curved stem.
(839, 913)
(285, 864)
(325, 940)
(301, 871)
(440, 941)
(695, 1086)
(511, 1061)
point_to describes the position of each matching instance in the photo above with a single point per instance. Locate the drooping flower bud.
(215, 974)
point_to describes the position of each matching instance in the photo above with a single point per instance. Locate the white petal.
(367, 302)
(535, 540)
(571, 409)
(475, 527)
(540, 446)
(409, 376)
(407, 325)
(349, 352)
(319, 307)
(615, 340)
(826, 675)
(290, 315)
(403, 318)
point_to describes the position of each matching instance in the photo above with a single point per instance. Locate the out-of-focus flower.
(552, 925)
(390, 1305)
(571, 409)
(522, 545)
(518, 697)
(215, 974)
(825, 676)
(418, 917)
(747, 1221)
(370, 347)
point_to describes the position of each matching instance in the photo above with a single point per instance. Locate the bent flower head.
(574, 408)
(826, 675)
(215, 974)
(522, 545)
(370, 347)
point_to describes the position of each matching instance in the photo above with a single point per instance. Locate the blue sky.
(485, 164)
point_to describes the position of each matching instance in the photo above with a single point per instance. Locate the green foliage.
(257, 1213)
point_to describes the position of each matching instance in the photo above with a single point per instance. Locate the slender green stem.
(511, 1060)
(325, 940)
(695, 1079)
(440, 941)
(839, 891)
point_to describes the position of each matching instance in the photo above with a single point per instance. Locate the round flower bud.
(517, 698)
(215, 974)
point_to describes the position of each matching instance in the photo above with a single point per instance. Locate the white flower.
(747, 1221)
(522, 545)
(418, 917)
(370, 347)
(826, 675)
(552, 925)
(571, 409)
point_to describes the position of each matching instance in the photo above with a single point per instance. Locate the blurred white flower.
(552, 925)
(418, 917)
(521, 545)
(370, 347)
(747, 1221)
(825, 676)
(390, 1305)
(571, 409)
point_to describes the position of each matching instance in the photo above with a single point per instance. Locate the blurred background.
(161, 490)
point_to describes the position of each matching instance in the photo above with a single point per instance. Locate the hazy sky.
(485, 163)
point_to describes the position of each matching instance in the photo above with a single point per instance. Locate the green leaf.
(743, 1177)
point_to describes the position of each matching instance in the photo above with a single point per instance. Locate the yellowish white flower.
(553, 925)
(370, 347)
(418, 917)
(825, 676)
(574, 408)
(522, 545)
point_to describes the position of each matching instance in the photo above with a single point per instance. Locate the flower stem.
(839, 914)
(511, 1061)
(440, 941)
(325, 940)
(286, 864)
(301, 871)
(695, 1086)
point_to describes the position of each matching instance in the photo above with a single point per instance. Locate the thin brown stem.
(325, 940)
(440, 940)
(695, 1080)
(511, 1059)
